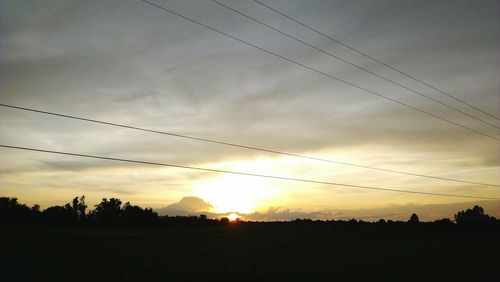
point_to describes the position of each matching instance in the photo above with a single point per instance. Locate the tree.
(135, 215)
(108, 211)
(473, 216)
(414, 219)
(12, 213)
(79, 207)
(59, 216)
(443, 221)
(36, 208)
(69, 214)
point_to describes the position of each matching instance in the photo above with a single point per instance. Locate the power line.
(353, 64)
(243, 173)
(376, 60)
(320, 72)
(240, 145)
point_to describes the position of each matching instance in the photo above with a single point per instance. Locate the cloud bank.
(197, 206)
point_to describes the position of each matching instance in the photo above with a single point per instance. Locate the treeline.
(112, 213)
(108, 213)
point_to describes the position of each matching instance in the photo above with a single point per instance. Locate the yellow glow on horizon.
(152, 187)
(233, 217)
(233, 193)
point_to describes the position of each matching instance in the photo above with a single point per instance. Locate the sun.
(235, 194)
(233, 217)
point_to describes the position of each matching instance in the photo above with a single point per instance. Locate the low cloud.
(430, 212)
(395, 212)
(278, 214)
(186, 206)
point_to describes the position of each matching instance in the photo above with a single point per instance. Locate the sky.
(131, 63)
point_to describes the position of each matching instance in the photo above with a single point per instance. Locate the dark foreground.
(250, 252)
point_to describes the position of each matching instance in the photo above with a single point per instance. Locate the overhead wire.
(238, 145)
(243, 173)
(375, 59)
(319, 71)
(353, 64)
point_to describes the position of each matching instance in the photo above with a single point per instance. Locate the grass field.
(247, 252)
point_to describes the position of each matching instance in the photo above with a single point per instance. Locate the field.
(248, 252)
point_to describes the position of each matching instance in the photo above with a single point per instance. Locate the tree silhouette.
(443, 221)
(36, 208)
(69, 214)
(112, 213)
(475, 215)
(59, 216)
(79, 207)
(135, 215)
(12, 213)
(108, 211)
(414, 219)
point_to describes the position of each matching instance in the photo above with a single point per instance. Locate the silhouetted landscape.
(123, 242)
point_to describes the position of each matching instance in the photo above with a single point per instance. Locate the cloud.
(395, 212)
(279, 214)
(186, 206)
(429, 212)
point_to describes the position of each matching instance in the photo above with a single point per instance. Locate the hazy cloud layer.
(197, 206)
